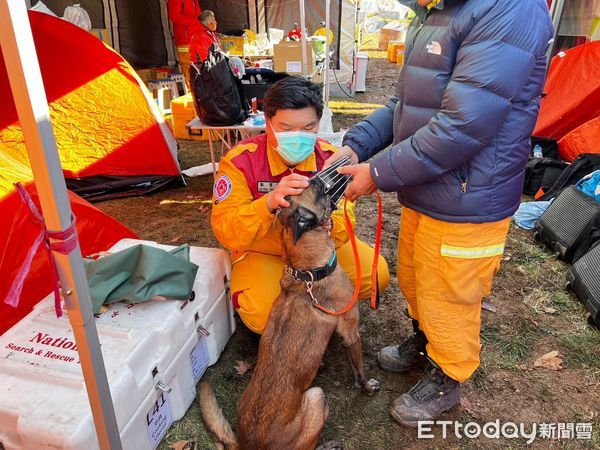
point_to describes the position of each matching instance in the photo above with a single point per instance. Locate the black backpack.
(218, 94)
(542, 173)
(583, 165)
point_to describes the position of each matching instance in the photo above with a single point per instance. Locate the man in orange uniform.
(184, 15)
(254, 179)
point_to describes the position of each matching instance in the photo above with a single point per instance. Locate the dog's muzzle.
(331, 183)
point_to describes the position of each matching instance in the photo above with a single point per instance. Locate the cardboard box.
(389, 34)
(287, 57)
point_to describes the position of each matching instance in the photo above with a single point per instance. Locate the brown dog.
(279, 410)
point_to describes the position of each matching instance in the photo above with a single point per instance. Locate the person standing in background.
(184, 15)
(204, 37)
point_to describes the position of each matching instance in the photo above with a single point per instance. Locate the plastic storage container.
(43, 402)
(362, 59)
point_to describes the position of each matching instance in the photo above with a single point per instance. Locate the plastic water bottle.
(537, 151)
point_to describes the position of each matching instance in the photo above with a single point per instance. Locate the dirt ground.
(534, 315)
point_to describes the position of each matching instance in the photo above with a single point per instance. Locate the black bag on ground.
(569, 224)
(584, 279)
(218, 95)
(583, 165)
(542, 173)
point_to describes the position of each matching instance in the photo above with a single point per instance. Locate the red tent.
(583, 139)
(109, 133)
(573, 92)
(97, 232)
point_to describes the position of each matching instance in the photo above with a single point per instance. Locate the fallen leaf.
(549, 310)
(242, 367)
(550, 361)
(177, 239)
(204, 208)
(488, 306)
(183, 445)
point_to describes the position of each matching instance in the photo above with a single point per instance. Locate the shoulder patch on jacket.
(222, 188)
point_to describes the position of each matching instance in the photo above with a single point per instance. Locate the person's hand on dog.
(361, 184)
(292, 184)
(342, 152)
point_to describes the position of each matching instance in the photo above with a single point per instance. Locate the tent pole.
(327, 58)
(556, 10)
(32, 108)
(304, 50)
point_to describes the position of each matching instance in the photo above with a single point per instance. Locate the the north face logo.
(434, 48)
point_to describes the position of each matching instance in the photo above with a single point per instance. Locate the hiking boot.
(409, 355)
(434, 394)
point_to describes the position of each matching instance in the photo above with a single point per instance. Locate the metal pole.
(32, 107)
(556, 10)
(303, 28)
(327, 58)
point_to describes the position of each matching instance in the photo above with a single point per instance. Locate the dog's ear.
(301, 221)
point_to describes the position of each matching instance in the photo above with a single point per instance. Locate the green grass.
(512, 342)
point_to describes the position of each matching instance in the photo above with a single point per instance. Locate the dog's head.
(307, 211)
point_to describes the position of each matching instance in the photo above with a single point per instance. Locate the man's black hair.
(294, 92)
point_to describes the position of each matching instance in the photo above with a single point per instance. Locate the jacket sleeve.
(175, 11)
(374, 133)
(488, 75)
(241, 223)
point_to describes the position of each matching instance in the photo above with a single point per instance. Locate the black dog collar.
(309, 276)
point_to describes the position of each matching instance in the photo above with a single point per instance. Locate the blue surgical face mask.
(295, 146)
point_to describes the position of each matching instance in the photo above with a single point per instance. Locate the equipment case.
(154, 352)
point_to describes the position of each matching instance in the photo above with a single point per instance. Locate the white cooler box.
(154, 352)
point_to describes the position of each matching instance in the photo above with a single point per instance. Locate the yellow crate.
(400, 56)
(180, 131)
(234, 45)
(393, 47)
(183, 105)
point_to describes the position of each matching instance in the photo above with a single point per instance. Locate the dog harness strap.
(309, 276)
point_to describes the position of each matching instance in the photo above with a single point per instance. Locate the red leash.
(374, 278)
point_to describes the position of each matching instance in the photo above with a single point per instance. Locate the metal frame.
(32, 107)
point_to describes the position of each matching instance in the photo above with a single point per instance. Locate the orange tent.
(110, 134)
(573, 92)
(583, 139)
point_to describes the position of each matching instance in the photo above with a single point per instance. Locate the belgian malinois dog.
(279, 409)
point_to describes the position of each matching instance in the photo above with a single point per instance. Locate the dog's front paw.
(371, 386)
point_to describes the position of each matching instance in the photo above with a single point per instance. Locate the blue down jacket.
(465, 106)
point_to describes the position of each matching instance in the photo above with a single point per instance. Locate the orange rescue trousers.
(444, 271)
(255, 281)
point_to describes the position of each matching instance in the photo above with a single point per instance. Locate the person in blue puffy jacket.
(458, 130)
